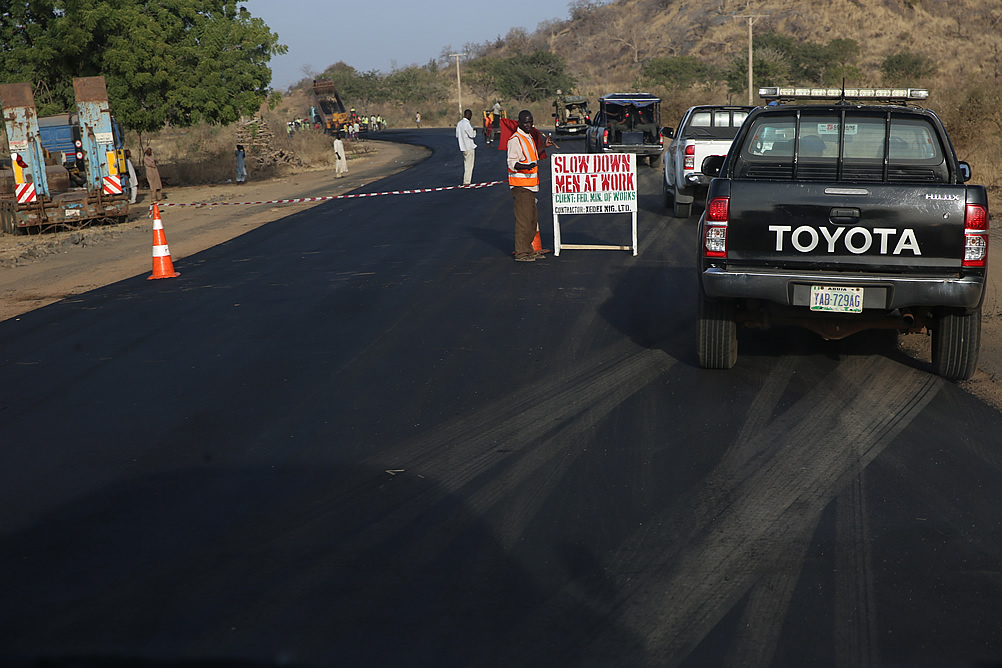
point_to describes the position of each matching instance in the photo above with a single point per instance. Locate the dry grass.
(204, 154)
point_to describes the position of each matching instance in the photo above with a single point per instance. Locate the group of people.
(152, 170)
(152, 176)
(526, 147)
(297, 124)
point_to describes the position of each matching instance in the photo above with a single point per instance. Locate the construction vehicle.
(37, 192)
(328, 110)
(61, 135)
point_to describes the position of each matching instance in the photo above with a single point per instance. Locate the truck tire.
(8, 218)
(716, 334)
(956, 339)
(655, 160)
(681, 210)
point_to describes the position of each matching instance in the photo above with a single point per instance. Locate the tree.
(532, 77)
(361, 88)
(769, 68)
(677, 72)
(807, 62)
(482, 77)
(907, 67)
(414, 84)
(179, 62)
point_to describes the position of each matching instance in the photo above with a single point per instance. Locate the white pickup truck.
(703, 131)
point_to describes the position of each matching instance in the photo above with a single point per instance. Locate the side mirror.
(668, 132)
(712, 164)
(965, 171)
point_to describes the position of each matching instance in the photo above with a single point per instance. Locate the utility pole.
(751, 21)
(459, 83)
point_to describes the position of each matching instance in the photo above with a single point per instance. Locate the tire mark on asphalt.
(856, 641)
(768, 603)
(700, 562)
(410, 521)
(532, 427)
(537, 431)
(768, 600)
(834, 431)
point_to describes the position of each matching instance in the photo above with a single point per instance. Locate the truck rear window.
(872, 146)
(719, 123)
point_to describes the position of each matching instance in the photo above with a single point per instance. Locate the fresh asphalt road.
(362, 435)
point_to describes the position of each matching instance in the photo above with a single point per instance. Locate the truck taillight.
(975, 236)
(715, 227)
(605, 136)
(718, 210)
(690, 157)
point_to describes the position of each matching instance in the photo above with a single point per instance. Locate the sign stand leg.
(556, 235)
(634, 232)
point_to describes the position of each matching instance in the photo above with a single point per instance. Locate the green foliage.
(414, 84)
(786, 61)
(767, 70)
(180, 62)
(407, 85)
(524, 77)
(677, 73)
(362, 88)
(906, 67)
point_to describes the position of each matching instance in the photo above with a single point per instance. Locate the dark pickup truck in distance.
(627, 123)
(841, 216)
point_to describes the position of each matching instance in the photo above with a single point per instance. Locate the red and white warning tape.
(330, 197)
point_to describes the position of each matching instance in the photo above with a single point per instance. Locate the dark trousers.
(526, 220)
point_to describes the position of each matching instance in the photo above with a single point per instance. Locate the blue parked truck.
(66, 170)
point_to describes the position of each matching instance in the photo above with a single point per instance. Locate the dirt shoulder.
(37, 270)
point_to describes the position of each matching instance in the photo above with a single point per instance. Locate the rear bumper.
(879, 291)
(696, 179)
(640, 149)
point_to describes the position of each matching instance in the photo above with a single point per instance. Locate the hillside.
(605, 45)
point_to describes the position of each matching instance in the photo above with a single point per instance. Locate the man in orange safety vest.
(523, 179)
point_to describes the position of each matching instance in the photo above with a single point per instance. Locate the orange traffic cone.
(537, 244)
(163, 267)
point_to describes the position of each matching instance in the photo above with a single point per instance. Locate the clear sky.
(383, 34)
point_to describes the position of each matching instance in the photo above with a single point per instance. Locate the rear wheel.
(8, 218)
(956, 340)
(655, 160)
(717, 334)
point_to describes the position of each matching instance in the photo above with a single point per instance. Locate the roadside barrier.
(298, 200)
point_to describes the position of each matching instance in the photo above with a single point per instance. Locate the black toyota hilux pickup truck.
(840, 215)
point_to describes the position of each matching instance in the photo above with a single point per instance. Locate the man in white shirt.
(340, 159)
(133, 179)
(466, 134)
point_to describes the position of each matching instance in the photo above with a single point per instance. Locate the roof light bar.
(796, 93)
